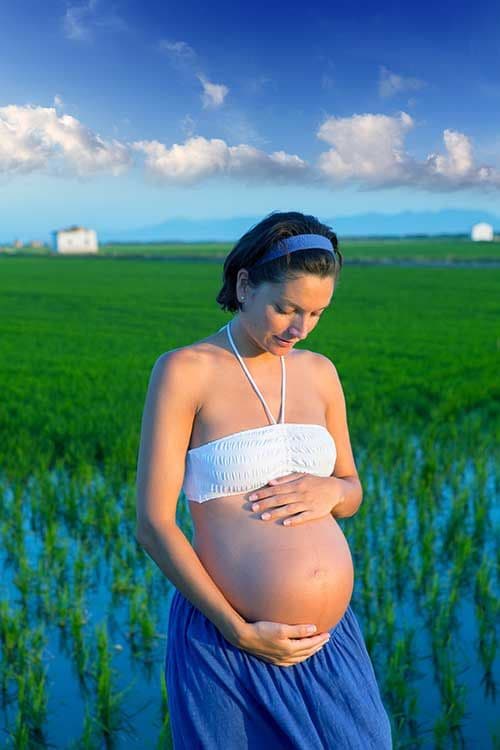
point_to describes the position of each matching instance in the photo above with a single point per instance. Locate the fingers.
(284, 644)
(300, 642)
(306, 646)
(302, 657)
(297, 631)
(300, 649)
(273, 512)
(298, 657)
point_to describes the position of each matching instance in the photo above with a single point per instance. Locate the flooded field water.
(84, 610)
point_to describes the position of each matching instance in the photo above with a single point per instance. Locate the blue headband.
(298, 242)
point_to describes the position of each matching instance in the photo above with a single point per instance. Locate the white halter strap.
(254, 384)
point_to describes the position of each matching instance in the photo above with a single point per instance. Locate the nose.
(299, 332)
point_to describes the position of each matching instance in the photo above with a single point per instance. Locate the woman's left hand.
(298, 498)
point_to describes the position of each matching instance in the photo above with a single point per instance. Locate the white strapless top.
(247, 460)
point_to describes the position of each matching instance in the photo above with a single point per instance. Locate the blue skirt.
(223, 698)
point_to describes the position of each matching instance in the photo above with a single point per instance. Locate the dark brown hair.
(254, 243)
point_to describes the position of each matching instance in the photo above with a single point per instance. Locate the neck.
(246, 345)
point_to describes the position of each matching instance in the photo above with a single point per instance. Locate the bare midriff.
(267, 571)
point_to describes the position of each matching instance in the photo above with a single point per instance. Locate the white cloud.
(391, 83)
(213, 93)
(58, 102)
(80, 20)
(457, 168)
(369, 149)
(76, 18)
(458, 161)
(366, 147)
(178, 50)
(199, 158)
(184, 58)
(37, 138)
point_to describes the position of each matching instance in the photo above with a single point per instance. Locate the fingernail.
(265, 516)
(252, 497)
(255, 507)
(311, 628)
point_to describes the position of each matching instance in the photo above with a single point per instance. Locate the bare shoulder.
(178, 371)
(188, 366)
(327, 382)
(171, 404)
(321, 367)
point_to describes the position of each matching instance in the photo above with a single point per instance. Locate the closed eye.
(284, 312)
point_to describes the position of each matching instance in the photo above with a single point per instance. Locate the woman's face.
(277, 316)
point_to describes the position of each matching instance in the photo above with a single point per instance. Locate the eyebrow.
(288, 302)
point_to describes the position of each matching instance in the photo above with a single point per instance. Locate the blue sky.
(125, 114)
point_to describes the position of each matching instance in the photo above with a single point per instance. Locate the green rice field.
(83, 609)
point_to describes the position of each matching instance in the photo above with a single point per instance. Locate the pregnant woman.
(263, 647)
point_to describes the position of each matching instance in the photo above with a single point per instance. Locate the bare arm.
(171, 404)
(336, 421)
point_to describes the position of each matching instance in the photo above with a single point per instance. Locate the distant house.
(482, 232)
(75, 240)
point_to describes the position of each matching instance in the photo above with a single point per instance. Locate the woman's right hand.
(280, 644)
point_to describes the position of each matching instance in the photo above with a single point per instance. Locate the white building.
(482, 231)
(75, 240)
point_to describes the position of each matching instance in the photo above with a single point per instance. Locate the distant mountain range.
(182, 229)
(453, 221)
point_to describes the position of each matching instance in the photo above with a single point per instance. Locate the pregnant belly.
(267, 571)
